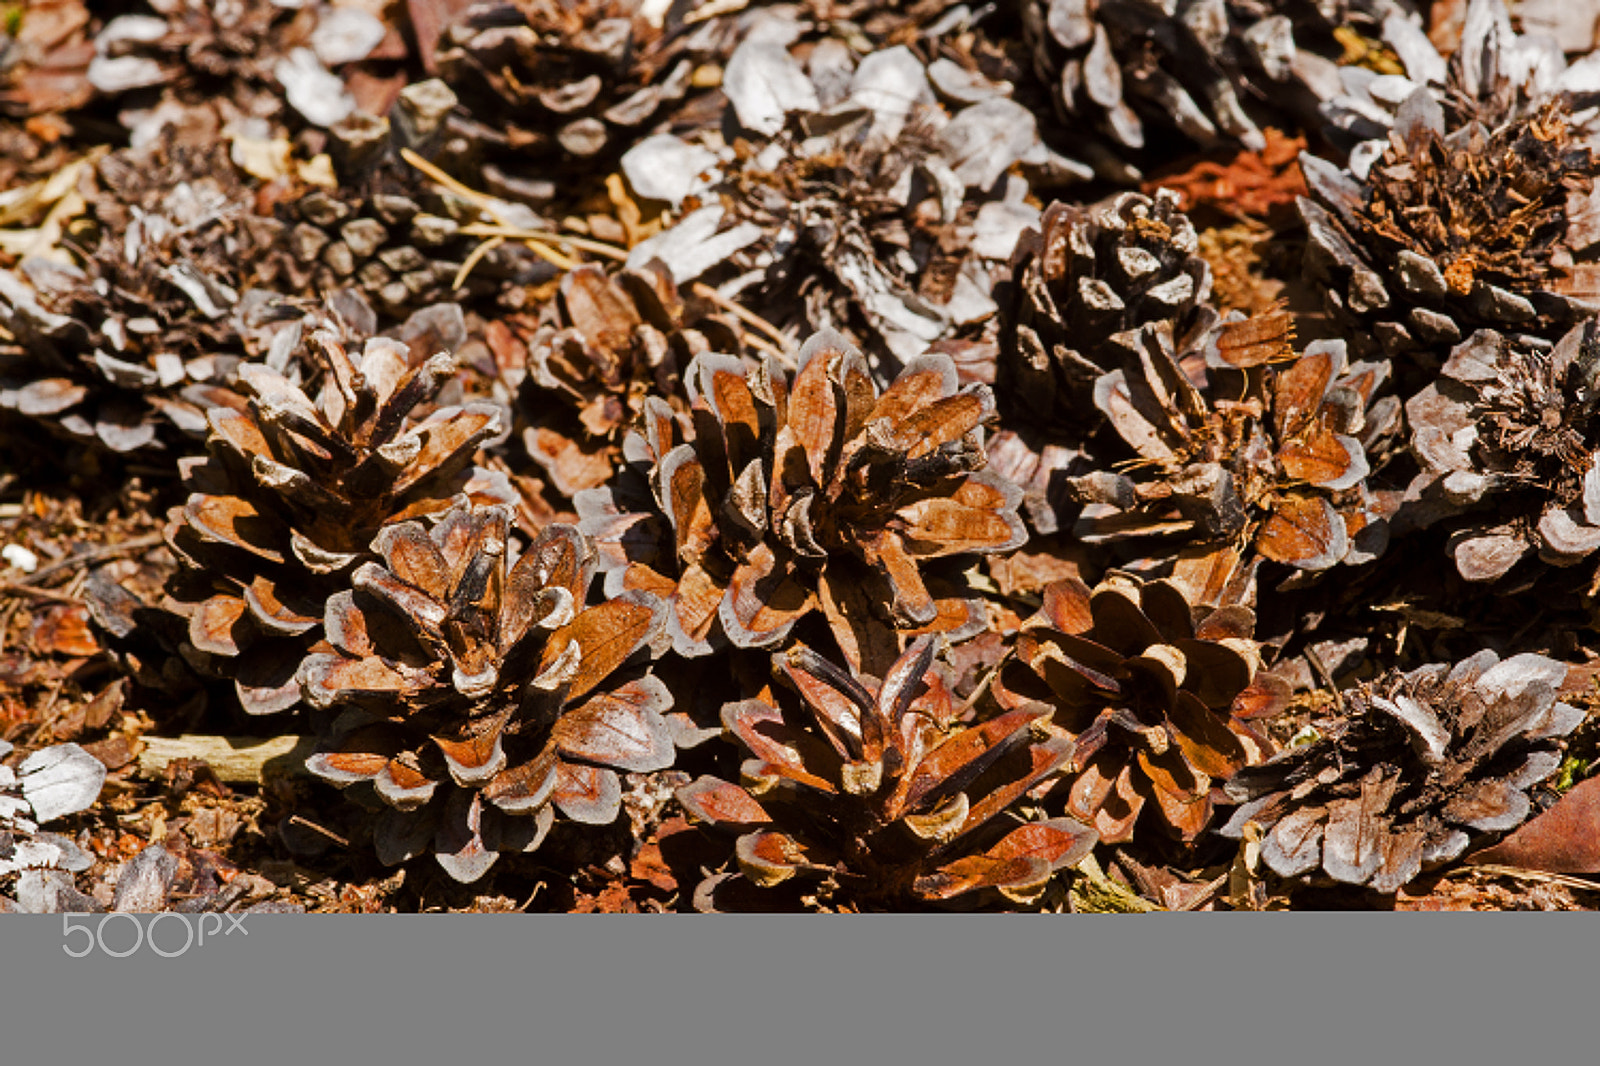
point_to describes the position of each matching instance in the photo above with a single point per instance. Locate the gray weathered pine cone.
(242, 60)
(1469, 204)
(568, 85)
(1416, 768)
(1208, 69)
(869, 195)
(129, 345)
(1508, 438)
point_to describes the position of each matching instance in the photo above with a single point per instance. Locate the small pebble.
(21, 558)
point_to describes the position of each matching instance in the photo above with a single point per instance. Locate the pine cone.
(1086, 282)
(567, 83)
(293, 492)
(875, 790)
(1202, 67)
(1515, 430)
(1417, 767)
(605, 344)
(141, 337)
(245, 58)
(396, 238)
(853, 194)
(481, 693)
(203, 43)
(1159, 695)
(1472, 207)
(1083, 284)
(1267, 459)
(818, 487)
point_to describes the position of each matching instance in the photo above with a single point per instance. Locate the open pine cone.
(853, 199)
(606, 343)
(1418, 767)
(1268, 460)
(138, 339)
(875, 791)
(480, 693)
(1201, 67)
(293, 492)
(1472, 206)
(567, 84)
(1084, 283)
(1157, 693)
(812, 491)
(1513, 429)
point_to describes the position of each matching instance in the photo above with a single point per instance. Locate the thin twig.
(483, 200)
(474, 258)
(1524, 874)
(745, 315)
(550, 255)
(38, 594)
(106, 551)
(324, 830)
(518, 233)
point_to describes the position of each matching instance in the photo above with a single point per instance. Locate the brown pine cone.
(607, 342)
(1158, 694)
(392, 235)
(1085, 283)
(1266, 458)
(806, 491)
(567, 84)
(293, 492)
(479, 695)
(877, 794)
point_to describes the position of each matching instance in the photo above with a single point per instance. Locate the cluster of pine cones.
(826, 409)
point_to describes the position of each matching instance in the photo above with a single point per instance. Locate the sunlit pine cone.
(816, 490)
(295, 488)
(1472, 203)
(1131, 70)
(133, 343)
(1158, 694)
(569, 83)
(226, 50)
(605, 343)
(478, 695)
(1415, 768)
(874, 196)
(1508, 438)
(877, 796)
(1251, 453)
